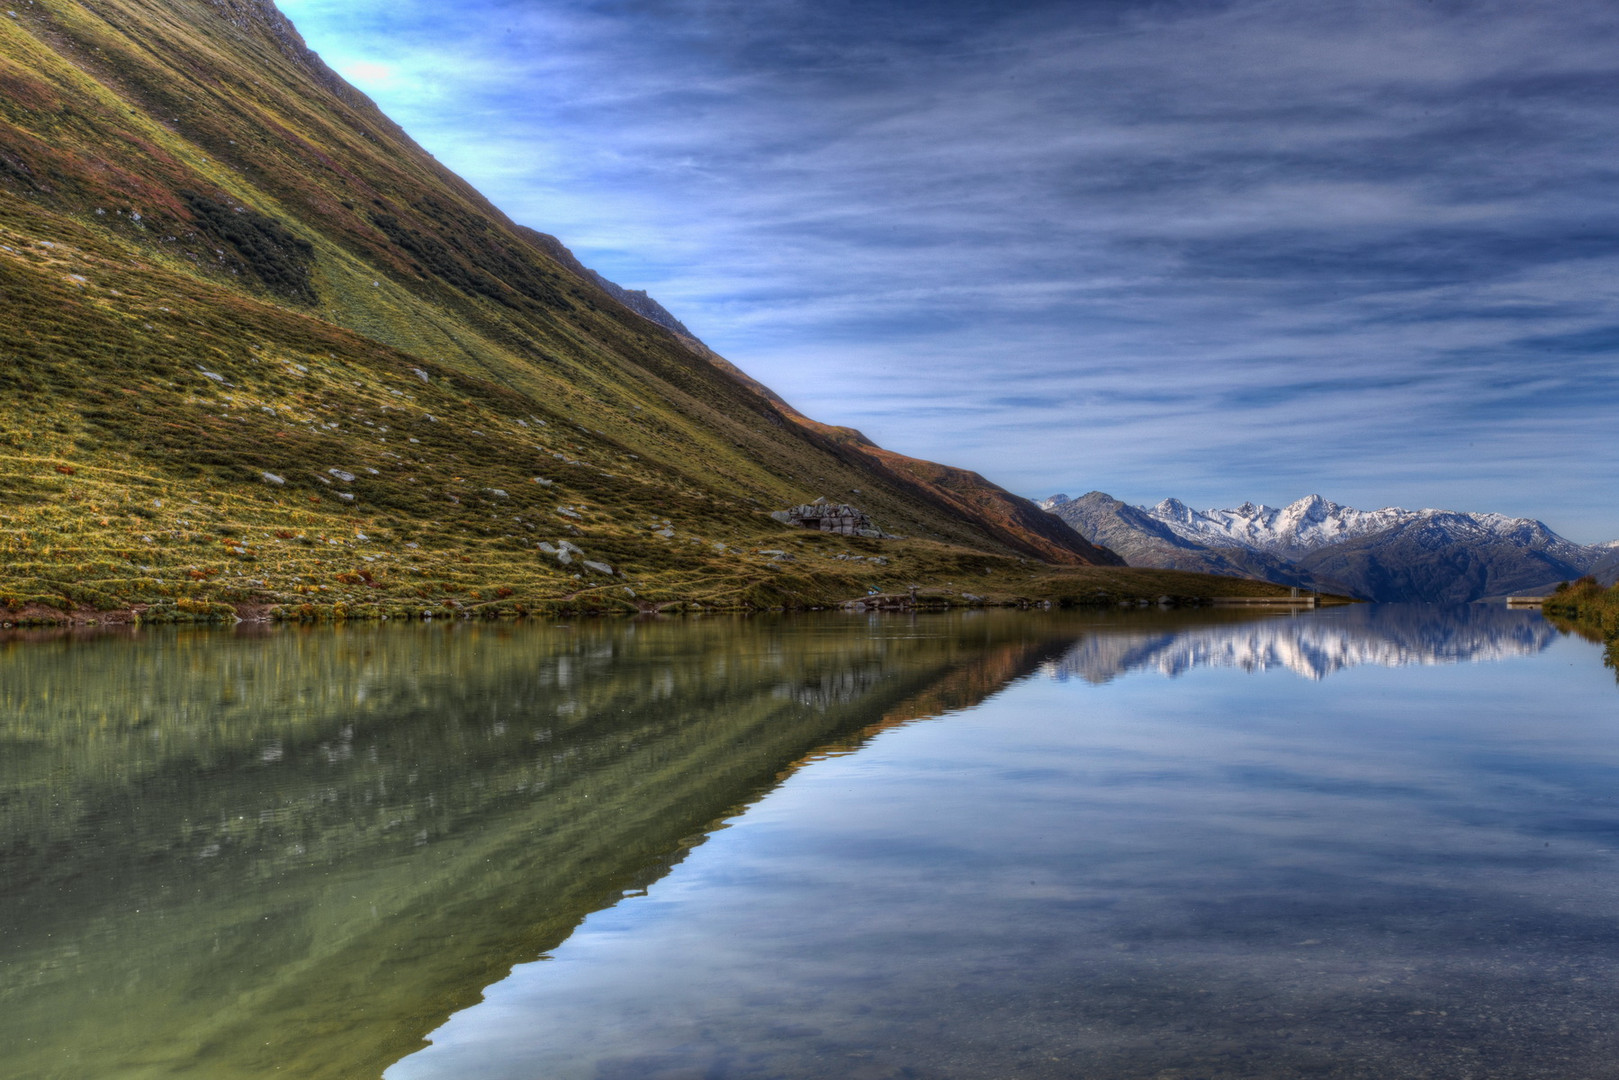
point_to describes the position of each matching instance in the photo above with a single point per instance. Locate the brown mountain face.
(260, 348)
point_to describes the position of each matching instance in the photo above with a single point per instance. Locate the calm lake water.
(1369, 842)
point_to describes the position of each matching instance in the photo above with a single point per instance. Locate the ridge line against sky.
(1221, 251)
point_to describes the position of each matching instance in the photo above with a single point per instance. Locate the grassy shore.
(234, 567)
(1586, 608)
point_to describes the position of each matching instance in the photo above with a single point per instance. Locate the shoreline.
(205, 613)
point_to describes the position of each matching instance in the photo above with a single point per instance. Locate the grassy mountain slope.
(259, 348)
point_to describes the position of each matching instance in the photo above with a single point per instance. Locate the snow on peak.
(1310, 522)
(1171, 510)
(1314, 521)
(1311, 508)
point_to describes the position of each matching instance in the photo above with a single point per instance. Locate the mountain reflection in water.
(225, 855)
(234, 854)
(1314, 644)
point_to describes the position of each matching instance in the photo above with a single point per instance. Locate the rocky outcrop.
(830, 517)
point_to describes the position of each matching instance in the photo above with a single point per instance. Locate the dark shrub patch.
(270, 252)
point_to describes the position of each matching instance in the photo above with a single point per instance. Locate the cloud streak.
(1223, 251)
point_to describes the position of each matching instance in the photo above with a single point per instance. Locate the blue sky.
(1217, 250)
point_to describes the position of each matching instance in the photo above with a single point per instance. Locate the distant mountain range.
(1392, 554)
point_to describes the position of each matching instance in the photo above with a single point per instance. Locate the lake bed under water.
(1363, 842)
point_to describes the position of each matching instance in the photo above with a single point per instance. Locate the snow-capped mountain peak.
(1309, 523)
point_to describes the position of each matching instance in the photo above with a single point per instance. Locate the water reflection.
(1398, 873)
(224, 855)
(229, 855)
(1314, 644)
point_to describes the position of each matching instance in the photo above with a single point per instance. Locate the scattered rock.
(346, 477)
(565, 551)
(272, 478)
(599, 567)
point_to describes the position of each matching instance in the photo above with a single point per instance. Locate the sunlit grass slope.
(260, 351)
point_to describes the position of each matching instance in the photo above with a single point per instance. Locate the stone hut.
(830, 517)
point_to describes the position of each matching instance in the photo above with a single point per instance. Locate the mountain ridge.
(637, 300)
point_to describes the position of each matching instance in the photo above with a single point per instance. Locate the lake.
(1371, 842)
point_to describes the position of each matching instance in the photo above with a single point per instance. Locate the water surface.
(1363, 843)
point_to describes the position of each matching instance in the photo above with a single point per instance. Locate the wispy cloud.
(1245, 249)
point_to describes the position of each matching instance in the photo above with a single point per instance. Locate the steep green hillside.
(261, 350)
